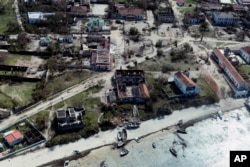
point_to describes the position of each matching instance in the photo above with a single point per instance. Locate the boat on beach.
(132, 125)
(173, 151)
(122, 138)
(181, 130)
(119, 136)
(153, 145)
(247, 105)
(124, 152)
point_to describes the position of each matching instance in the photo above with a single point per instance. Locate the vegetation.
(12, 59)
(67, 79)
(133, 31)
(20, 94)
(8, 21)
(93, 108)
(40, 120)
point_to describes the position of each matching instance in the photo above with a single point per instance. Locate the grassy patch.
(66, 80)
(219, 43)
(206, 90)
(11, 59)
(151, 65)
(7, 101)
(20, 92)
(244, 69)
(7, 15)
(184, 10)
(40, 120)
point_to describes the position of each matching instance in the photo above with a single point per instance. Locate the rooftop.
(184, 79)
(100, 57)
(35, 15)
(12, 135)
(230, 67)
(247, 49)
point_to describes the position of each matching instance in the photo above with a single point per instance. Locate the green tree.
(203, 28)
(22, 40)
(133, 31)
(13, 27)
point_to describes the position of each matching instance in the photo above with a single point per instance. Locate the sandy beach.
(207, 143)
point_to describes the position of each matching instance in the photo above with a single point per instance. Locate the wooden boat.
(181, 130)
(133, 125)
(124, 152)
(247, 104)
(124, 135)
(220, 114)
(153, 145)
(120, 144)
(119, 136)
(173, 151)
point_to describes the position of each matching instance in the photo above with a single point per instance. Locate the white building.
(225, 18)
(235, 80)
(186, 84)
(245, 54)
(244, 2)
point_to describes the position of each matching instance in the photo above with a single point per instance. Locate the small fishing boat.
(119, 136)
(173, 151)
(181, 130)
(124, 152)
(153, 145)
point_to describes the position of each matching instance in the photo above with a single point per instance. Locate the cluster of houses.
(228, 15)
(130, 86)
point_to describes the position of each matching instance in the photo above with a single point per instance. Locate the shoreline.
(168, 130)
(164, 140)
(147, 128)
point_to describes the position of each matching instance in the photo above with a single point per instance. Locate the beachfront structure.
(131, 87)
(101, 60)
(130, 14)
(166, 15)
(186, 84)
(69, 119)
(34, 17)
(245, 54)
(225, 18)
(13, 137)
(234, 79)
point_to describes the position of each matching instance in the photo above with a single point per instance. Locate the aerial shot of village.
(124, 83)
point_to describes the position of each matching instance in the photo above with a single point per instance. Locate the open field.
(7, 15)
(20, 92)
(66, 80)
(12, 59)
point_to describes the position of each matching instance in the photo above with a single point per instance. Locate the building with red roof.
(235, 80)
(13, 137)
(130, 13)
(245, 54)
(186, 84)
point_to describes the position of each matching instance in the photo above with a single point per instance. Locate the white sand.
(45, 155)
